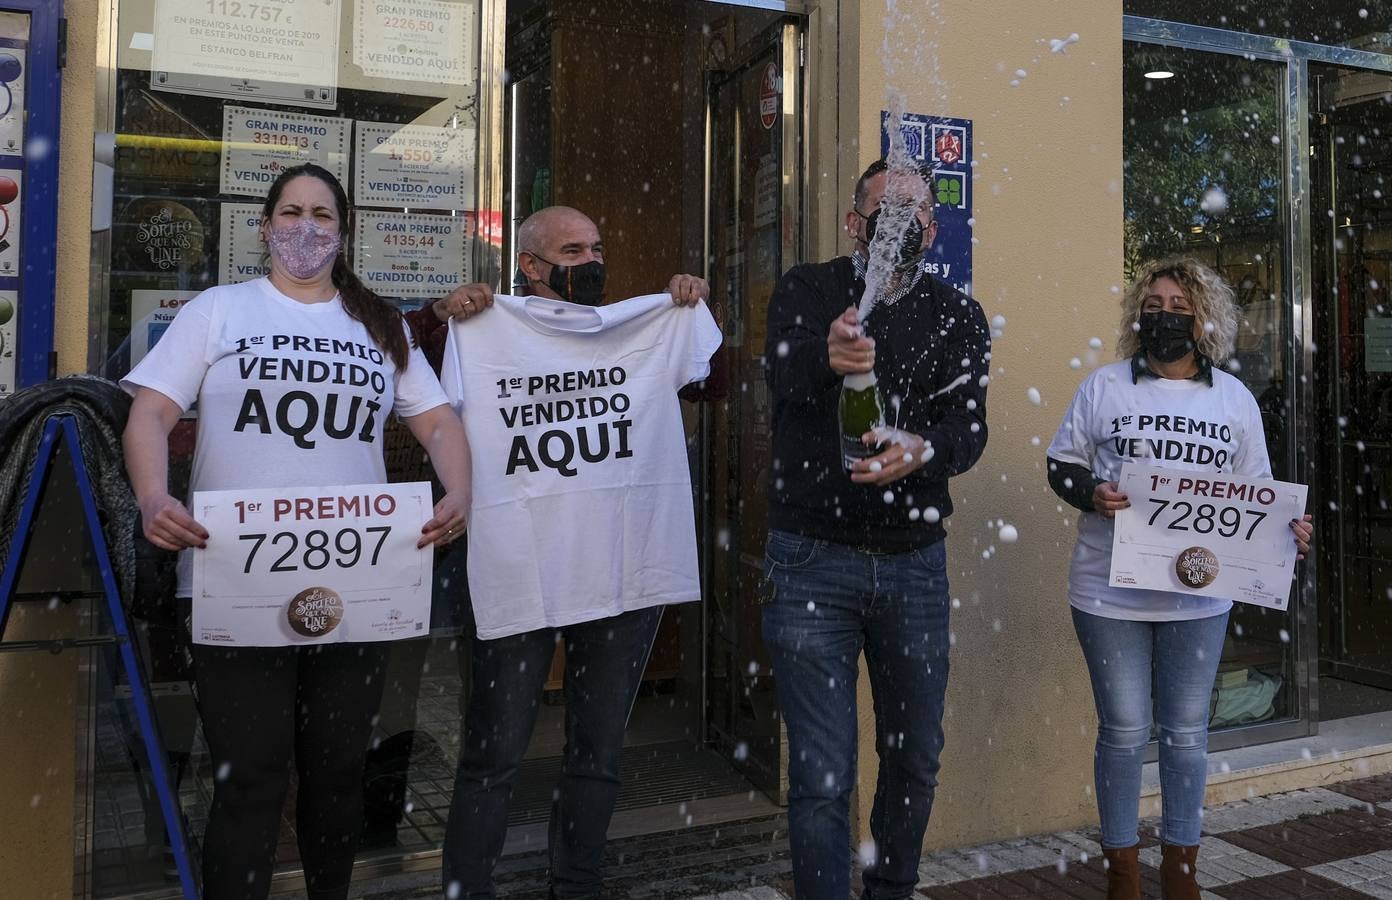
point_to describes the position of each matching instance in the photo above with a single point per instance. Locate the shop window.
(1356, 24)
(1204, 145)
(212, 99)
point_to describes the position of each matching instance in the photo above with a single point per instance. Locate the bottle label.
(853, 449)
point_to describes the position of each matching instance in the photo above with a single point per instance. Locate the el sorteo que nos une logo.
(314, 612)
(1196, 567)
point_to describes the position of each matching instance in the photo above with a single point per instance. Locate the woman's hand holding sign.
(1304, 529)
(1107, 498)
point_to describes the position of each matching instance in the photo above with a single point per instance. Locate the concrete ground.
(1330, 843)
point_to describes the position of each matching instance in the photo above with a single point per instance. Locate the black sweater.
(925, 342)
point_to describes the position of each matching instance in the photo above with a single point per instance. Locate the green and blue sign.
(943, 145)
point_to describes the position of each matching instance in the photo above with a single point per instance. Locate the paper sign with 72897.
(1208, 535)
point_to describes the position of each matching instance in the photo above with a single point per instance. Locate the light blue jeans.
(1142, 671)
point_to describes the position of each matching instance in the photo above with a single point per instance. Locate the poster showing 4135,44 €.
(411, 256)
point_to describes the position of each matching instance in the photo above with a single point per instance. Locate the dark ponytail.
(380, 318)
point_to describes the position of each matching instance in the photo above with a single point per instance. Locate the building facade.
(724, 139)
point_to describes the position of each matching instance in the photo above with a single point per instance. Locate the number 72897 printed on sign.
(1204, 534)
(312, 565)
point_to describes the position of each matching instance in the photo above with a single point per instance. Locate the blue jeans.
(1140, 668)
(829, 602)
(605, 660)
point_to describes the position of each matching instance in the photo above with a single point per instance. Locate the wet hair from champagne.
(1211, 298)
(381, 319)
(879, 167)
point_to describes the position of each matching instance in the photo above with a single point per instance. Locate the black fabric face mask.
(1166, 336)
(582, 284)
(910, 249)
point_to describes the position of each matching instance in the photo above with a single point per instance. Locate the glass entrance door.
(1205, 174)
(1351, 136)
(753, 212)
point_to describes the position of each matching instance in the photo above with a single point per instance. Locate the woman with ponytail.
(242, 352)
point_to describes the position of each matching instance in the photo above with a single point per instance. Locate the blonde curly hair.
(1215, 306)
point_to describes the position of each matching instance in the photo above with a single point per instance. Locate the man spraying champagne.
(855, 558)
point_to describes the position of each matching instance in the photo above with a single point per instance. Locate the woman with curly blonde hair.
(1152, 656)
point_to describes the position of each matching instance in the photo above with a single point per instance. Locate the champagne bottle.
(859, 411)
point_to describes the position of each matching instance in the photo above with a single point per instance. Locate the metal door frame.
(1295, 57)
(791, 35)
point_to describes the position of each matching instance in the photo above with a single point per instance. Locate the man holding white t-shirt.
(582, 530)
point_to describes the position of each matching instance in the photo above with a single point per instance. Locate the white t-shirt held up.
(1164, 422)
(582, 503)
(289, 394)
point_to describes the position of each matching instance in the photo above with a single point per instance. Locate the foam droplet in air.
(1008, 534)
(1033, 395)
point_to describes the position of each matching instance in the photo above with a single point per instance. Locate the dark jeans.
(829, 602)
(605, 660)
(263, 707)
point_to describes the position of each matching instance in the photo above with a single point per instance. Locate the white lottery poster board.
(1207, 535)
(415, 40)
(317, 565)
(241, 253)
(280, 52)
(258, 144)
(11, 195)
(9, 308)
(416, 166)
(13, 72)
(410, 256)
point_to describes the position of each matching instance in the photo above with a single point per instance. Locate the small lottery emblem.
(1196, 567)
(314, 612)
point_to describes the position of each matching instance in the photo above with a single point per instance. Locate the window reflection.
(1204, 147)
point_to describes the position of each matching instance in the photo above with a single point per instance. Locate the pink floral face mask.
(304, 249)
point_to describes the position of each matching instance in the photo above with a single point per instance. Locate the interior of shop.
(1184, 110)
(1204, 176)
(1351, 145)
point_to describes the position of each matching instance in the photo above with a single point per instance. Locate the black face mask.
(910, 248)
(1166, 336)
(582, 284)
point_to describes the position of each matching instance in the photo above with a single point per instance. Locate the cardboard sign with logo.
(241, 252)
(317, 565)
(768, 96)
(282, 52)
(415, 256)
(164, 237)
(415, 40)
(258, 144)
(419, 166)
(9, 305)
(151, 313)
(1205, 534)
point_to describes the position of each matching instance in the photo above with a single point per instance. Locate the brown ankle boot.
(1123, 873)
(1178, 866)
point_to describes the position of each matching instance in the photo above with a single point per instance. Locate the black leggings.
(261, 707)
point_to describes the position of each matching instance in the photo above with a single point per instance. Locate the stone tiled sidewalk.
(1319, 844)
(1333, 843)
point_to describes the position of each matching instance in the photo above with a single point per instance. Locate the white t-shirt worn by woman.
(1162, 422)
(289, 394)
